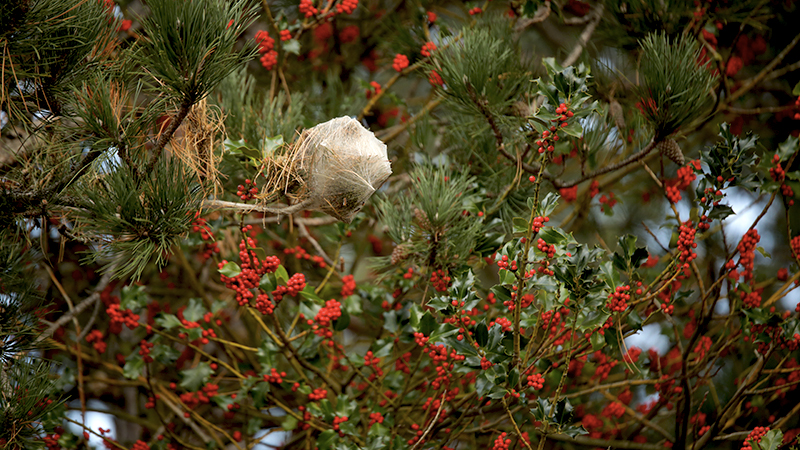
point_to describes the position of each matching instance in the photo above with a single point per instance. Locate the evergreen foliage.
(676, 86)
(133, 218)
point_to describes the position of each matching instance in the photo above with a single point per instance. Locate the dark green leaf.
(481, 334)
(230, 270)
(167, 321)
(194, 378)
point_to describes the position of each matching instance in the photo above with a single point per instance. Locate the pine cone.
(399, 254)
(670, 149)
(422, 218)
(615, 109)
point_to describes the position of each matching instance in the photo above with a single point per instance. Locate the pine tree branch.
(500, 144)
(166, 136)
(283, 210)
(610, 168)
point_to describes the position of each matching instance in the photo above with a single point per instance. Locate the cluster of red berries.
(568, 194)
(317, 394)
(294, 285)
(427, 48)
(247, 191)
(504, 323)
(607, 202)
(684, 178)
(51, 441)
(192, 399)
(525, 301)
(613, 409)
(144, 350)
(788, 192)
(347, 6)
(594, 188)
(502, 442)
(504, 264)
(554, 324)
(486, 364)
(777, 173)
(544, 247)
(603, 366)
(538, 223)
(475, 11)
(307, 8)
(632, 355)
(618, 300)
(286, 35)
(266, 46)
(754, 436)
(199, 225)
(686, 243)
(96, 336)
(375, 89)
(326, 315)
(348, 286)
(746, 249)
(795, 245)
(151, 401)
(252, 269)
(435, 79)
(536, 381)
(274, 376)
(400, 62)
(125, 317)
(375, 417)
(421, 339)
(440, 280)
(140, 445)
(372, 361)
(339, 420)
(562, 119)
(546, 144)
(751, 299)
(264, 304)
(703, 346)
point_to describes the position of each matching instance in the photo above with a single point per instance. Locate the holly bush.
(583, 242)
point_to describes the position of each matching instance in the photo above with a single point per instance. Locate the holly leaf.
(167, 321)
(194, 310)
(133, 367)
(481, 334)
(230, 269)
(281, 274)
(132, 297)
(195, 377)
(770, 441)
(343, 321)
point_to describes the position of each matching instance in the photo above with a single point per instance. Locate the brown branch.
(167, 134)
(85, 303)
(750, 84)
(636, 157)
(584, 37)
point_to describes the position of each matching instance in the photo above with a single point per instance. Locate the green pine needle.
(139, 219)
(676, 86)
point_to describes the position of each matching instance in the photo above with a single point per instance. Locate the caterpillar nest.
(333, 167)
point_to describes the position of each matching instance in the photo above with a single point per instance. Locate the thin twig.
(167, 134)
(85, 303)
(584, 37)
(284, 210)
(320, 251)
(750, 84)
